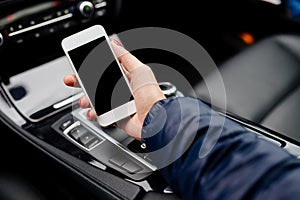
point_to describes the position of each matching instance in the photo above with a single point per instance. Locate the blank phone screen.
(100, 75)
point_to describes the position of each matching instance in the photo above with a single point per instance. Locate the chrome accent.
(169, 92)
(68, 137)
(81, 115)
(98, 165)
(82, 5)
(41, 24)
(168, 190)
(144, 184)
(290, 147)
(1, 39)
(71, 127)
(275, 2)
(68, 101)
(100, 5)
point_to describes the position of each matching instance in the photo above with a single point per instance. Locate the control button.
(20, 26)
(51, 30)
(66, 11)
(11, 29)
(93, 143)
(58, 13)
(100, 12)
(143, 146)
(77, 133)
(101, 4)
(67, 123)
(131, 167)
(32, 22)
(137, 147)
(86, 9)
(37, 35)
(19, 41)
(68, 24)
(48, 17)
(71, 127)
(118, 160)
(84, 137)
(1, 39)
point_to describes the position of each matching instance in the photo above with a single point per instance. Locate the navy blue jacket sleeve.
(204, 155)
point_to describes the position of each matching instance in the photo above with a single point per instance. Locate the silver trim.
(71, 127)
(101, 133)
(144, 184)
(168, 190)
(82, 5)
(170, 91)
(68, 137)
(1, 39)
(275, 2)
(100, 5)
(290, 147)
(269, 139)
(98, 165)
(41, 24)
(255, 129)
(67, 101)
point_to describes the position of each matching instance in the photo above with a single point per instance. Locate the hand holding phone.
(98, 71)
(146, 91)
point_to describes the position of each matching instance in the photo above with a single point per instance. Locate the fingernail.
(118, 48)
(117, 43)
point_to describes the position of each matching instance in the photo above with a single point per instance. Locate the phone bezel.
(81, 38)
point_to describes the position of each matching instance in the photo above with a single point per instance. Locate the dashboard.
(41, 25)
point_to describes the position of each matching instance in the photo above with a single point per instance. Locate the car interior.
(50, 150)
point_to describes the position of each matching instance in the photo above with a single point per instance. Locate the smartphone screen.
(100, 75)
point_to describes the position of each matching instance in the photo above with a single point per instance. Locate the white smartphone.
(98, 71)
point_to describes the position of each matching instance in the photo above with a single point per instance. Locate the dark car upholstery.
(262, 84)
(15, 187)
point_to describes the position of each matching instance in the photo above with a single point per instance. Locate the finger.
(71, 80)
(131, 126)
(128, 61)
(84, 102)
(91, 114)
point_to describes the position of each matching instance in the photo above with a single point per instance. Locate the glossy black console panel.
(103, 146)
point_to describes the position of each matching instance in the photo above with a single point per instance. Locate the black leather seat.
(263, 84)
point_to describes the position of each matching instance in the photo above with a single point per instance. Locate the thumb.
(131, 126)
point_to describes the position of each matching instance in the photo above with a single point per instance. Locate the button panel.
(79, 134)
(41, 24)
(98, 144)
(66, 124)
(131, 167)
(118, 160)
(125, 164)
